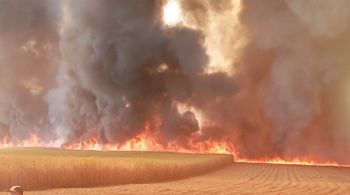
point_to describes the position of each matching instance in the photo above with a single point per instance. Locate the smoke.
(269, 78)
(27, 50)
(301, 69)
(126, 70)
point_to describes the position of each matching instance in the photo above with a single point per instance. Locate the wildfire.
(32, 141)
(294, 161)
(147, 142)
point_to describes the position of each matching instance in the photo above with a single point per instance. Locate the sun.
(171, 13)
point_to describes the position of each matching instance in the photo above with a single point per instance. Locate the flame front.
(32, 141)
(147, 142)
(294, 161)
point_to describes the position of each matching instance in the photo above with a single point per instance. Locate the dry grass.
(54, 168)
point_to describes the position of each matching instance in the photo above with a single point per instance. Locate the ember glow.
(264, 81)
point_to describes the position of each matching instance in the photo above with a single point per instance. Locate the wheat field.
(240, 178)
(40, 168)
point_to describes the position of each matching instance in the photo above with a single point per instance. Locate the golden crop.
(55, 168)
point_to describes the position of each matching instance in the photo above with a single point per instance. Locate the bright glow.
(171, 13)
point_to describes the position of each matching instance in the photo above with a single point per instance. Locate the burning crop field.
(83, 80)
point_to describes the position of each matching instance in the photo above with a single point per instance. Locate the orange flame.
(294, 161)
(32, 141)
(148, 142)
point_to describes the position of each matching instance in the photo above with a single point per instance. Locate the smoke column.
(268, 79)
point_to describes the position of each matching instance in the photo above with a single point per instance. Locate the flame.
(147, 141)
(32, 141)
(293, 161)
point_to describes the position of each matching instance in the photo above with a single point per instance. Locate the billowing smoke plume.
(126, 71)
(268, 78)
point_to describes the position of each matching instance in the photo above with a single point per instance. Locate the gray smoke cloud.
(111, 68)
